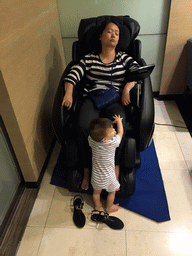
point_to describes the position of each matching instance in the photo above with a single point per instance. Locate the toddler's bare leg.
(96, 199)
(117, 169)
(111, 207)
(85, 182)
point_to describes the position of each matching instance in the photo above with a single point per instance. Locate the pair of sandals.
(97, 216)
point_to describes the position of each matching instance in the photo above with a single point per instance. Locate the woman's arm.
(130, 64)
(125, 99)
(75, 75)
(68, 97)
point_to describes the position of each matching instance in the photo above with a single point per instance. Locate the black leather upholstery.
(189, 64)
(140, 113)
(88, 34)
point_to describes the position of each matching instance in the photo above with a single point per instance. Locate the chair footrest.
(129, 158)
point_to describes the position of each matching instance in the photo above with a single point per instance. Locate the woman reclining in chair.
(102, 71)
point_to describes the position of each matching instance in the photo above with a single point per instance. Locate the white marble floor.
(50, 230)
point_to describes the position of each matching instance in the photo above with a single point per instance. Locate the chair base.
(127, 182)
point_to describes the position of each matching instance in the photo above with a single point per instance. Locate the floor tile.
(168, 151)
(167, 113)
(42, 204)
(185, 142)
(31, 241)
(51, 231)
(59, 241)
(179, 193)
(61, 210)
(141, 243)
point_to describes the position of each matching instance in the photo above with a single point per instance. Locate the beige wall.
(152, 16)
(31, 64)
(179, 31)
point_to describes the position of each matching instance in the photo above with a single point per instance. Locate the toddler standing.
(103, 141)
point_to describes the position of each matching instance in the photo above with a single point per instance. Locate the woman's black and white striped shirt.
(99, 74)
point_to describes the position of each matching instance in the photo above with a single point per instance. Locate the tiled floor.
(51, 232)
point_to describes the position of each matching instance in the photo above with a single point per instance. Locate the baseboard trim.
(10, 213)
(46, 161)
(37, 184)
(13, 228)
(170, 97)
(18, 223)
(155, 94)
(32, 184)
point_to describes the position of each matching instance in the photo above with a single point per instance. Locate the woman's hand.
(68, 97)
(125, 99)
(67, 101)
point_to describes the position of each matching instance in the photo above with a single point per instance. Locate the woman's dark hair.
(102, 28)
(97, 128)
(105, 23)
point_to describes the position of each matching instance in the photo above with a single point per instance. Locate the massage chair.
(140, 112)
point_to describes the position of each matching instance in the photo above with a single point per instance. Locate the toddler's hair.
(97, 128)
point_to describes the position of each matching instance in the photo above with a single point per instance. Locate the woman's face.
(110, 35)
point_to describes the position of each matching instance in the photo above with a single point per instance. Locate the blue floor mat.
(149, 199)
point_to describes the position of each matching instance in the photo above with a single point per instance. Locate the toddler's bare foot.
(113, 208)
(98, 206)
(85, 184)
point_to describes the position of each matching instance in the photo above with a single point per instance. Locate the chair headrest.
(89, 38)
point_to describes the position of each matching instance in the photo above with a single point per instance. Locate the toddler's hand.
(117, 119)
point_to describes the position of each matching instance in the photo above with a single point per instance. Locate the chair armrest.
(146, 123)
(129, 157)
(60, 115)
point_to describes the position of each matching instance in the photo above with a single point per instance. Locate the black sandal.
(78, 215)
(110, 221)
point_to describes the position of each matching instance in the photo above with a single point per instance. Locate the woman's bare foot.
(113, 208)
(85, 182)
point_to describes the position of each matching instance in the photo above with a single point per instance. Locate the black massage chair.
(140, 113)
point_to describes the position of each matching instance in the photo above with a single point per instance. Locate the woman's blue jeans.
(87, 112)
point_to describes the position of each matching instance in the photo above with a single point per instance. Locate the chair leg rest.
(74, 180)
(127, 181)
(129, 153)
